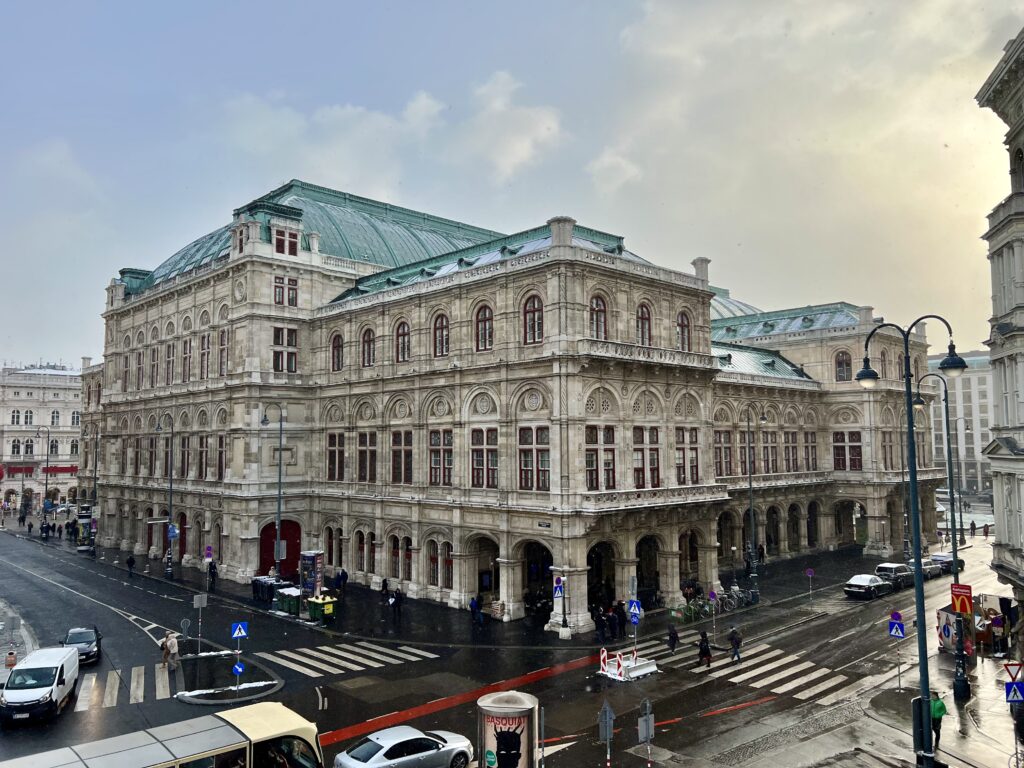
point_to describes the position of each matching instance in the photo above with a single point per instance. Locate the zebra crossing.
(99, 690)
(763, 668)
(339, 659)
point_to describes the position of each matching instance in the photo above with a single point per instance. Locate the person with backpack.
(704, 650)
(735, 638)
(673, 638)
(130, 562)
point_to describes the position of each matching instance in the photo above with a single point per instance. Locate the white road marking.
(425, 654)
(137, 692)
(845, 634)
(762, 669)
(85, 692)
(378, 656)
(113, 685)
(342, 650)
(387, 651)
(298, 656)
(288, 664)
(832, 682)
(163, 688)
(335, 658)
(804, 665)
(819, 672)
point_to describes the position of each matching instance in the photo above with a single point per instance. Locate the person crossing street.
(673, 638)
(130, 562)
(704, 650)
(938, 711)
(735, 638)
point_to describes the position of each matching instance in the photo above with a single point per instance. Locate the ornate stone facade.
(482, 417)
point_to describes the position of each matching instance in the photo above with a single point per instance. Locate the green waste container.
(321, 608)
(288, 600)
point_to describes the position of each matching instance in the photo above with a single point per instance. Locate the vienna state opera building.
(463, 411)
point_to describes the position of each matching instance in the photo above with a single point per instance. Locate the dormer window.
(286, 242)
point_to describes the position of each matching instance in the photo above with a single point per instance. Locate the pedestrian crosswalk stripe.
(379, 656)
(788, 672)
(388, 651)
(813, 675)
(424, 654)
(110, 694)
(137, 690)
(163, 688)
(762, 669)
(85, 692)
(848, 692)
(334, 657)
(341, 650)
(330, 659)
(310, 662)
(288, 664)
(832, 682)
(758, 653)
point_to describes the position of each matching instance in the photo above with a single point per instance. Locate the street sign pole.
(542, 737)
(896, 623)
(714, 614)
(605, 730)
(645, 727)
(810, 580)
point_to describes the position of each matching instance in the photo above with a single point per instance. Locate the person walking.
(30, 529)
(601, 625)
(396, 604)
(974, 528)
(213, 575)
(479, 612)
(384, 591)
(673, 638)
(613, 625)
(704, 650)
(735, 638)
(130, 562)
(172, 651)
(344, 581)
(165, 649)
(984, 530)
(938, 707)
(474, 606)
(620, 614)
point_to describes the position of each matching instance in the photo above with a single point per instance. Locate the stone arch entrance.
(647, 578)
(812, 525)
(689, 557)
(846, 522)
(484, 573)
(773, 531)
(182, 536)
(793, 528)
(291, 535)
(601, 586)
(729, 541)
(537, 580)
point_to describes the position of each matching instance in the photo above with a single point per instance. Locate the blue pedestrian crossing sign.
(634, 608)
(1015, 693)
(896, 630)
(559, 590)
(238, 669)
(172, 531)
(239, 630)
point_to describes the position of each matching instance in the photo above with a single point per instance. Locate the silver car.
(404, 747)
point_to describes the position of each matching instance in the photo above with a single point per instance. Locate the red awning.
(55, 470)
(20, 470)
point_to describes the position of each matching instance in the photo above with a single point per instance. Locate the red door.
(291, 532)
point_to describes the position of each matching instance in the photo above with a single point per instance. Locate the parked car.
(945, 562)
(868, 586)
(897, 574)
(403, 746)
(40, 685)
(87, 641)
(929, 568)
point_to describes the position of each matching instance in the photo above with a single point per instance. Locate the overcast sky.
(815, 151)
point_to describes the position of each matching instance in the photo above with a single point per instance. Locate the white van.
(40, 685)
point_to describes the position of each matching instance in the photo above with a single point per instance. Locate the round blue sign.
(238, 669)
(896, 616)
(712, 595)
(810, 573)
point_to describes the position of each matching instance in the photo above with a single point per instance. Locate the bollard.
(12, 660)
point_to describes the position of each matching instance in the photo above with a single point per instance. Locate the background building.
(969, 414)
(464, 411)
(39, 404)
(1003, 93)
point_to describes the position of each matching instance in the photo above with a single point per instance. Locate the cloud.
(611, 170)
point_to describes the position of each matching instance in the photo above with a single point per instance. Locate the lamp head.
(764, 419)
(952, 364)
(919, 403)
(867, 376)
(158, 427)
(264, 422)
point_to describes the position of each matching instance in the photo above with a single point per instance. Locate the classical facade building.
(466, 412)
(40, 440)
(1003, 93)
(970, 401)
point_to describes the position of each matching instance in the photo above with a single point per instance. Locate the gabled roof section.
(799, 319)
(736, 358)
(350, 227)
(482, 254)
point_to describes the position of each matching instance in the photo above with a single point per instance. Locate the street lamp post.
(734, 582)
(751, 457)
(280, 469)
(168, 567)
(44, 529)
(952, 365)
(961, 685)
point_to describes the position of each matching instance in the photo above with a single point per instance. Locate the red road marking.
(395, 718)
(673, 721)
(734, 707)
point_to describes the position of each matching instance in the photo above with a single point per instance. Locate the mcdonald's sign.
(962, 599)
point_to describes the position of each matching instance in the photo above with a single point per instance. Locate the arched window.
(484, 329)
(899, 366)
(53, 448)
(29, 416)
(30, 447)
(433, 570)
(76, 418)
(598, 319)
(329, 545)
(369, 348)
(441, 336)
(917, 369)
(395, 559)
(360, 551)
(55, 418)
(883, 364)
(643, 325)
(683, 332)
(402, 343)
(337, 352)
(16, 417)
(16, 447)
(533, 321)
(844, 366)
(447, 565)
(74, 447)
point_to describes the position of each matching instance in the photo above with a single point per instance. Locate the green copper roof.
(350, 227)
(798, 319)
(736, 358)
(724, 306)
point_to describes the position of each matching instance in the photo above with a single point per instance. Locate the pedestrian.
(474, 606)
(130, 562)
(735, 638)
(601, 624)
(613, 625)
(344, 581)
(165, 649)
(384, 591)
(673, 638)
(974, 528)
(761, 553)
(30, 529)
(479, 612)
(60, 532)
(396, 604)
(172, 651)
(984, 530)
(212, 573)
(620, 614)
(938, 711)
(704, 650)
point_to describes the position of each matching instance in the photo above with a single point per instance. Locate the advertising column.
(507, 730)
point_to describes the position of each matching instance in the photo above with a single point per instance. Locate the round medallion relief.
(239, 290)
(440, 407)
(533, 400)
(483, 404)
(366, 412)
(401, 410)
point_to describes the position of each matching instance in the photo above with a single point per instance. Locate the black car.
(87, 641)
(867, 586)
(897, 574)
(945, 561)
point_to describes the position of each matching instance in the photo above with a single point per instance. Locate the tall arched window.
(53, 448)
(54, 418)
(30, 447)
(447, 565)
(883, 364)
(433, 569)
(402, 343)
(441, 336)
(329, 545)
(16, 447)
(598, 318)
(369, 348)
(533, 320)
(643, 325)
(337, 352)
(683, 332)
(76, 418)
(484, 329)
(16, 417)
(29, 418)
(899, 366)
(844, 366)
(74, 447)
(360, 542)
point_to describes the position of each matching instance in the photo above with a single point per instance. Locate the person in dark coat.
(384, 591)
(130, 562)
(735, 639)
(344, 581)
(673, 638)
(704, 650)
(60, 531)
(974, 528)
(601, 625)
(396, 604)
(613, 625)
(474, 607)
(30, 528)
(620, 614)
(213, 575)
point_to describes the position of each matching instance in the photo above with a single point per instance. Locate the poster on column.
(507, 729)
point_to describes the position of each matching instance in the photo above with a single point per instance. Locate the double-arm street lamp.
(952, 365)
(751, 449)
(265, 422)
(961, 685)
(168, 567)
(44, 529)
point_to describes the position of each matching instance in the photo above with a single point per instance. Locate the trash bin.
(321, 608)
(289, 599)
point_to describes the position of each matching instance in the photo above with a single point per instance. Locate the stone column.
(707, 567)
(463, 582)
(878, 542)
(668, 577)
(574, 603)
(379, 564)
(415, 585)
(625, 575)
(510, 588)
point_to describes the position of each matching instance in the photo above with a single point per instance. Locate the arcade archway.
(601, 574)
(291, 536)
